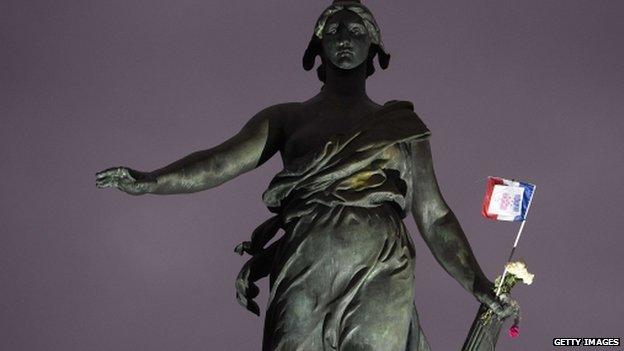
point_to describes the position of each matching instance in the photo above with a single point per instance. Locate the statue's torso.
(346, 254)
(309, 126)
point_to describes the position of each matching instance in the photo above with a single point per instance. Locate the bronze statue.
(341, 276)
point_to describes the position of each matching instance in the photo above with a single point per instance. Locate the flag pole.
(513, 249)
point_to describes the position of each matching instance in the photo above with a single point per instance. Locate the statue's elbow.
(444, 218)
(434, 220)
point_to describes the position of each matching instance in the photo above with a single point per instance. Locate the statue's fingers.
(513, 308)
(508, 312)
(106, 173)
(107, 183)
(103, 173)
(496, 307)
(503, 311)
(121, 174)
(99, 181)
(115, 183)
(104, 179)
(115, 177)
(114, 172)
(510, 306)
(505, 298)
(118, 171)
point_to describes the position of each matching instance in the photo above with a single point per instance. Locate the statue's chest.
(311, 135)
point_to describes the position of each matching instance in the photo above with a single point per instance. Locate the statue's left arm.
(441, 231)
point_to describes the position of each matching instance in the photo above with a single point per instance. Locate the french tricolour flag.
(506, 200)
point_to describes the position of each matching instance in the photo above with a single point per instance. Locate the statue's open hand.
(125, 179)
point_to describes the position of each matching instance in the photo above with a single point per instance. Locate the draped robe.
(342, 274)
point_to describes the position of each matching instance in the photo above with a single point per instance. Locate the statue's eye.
(357, 30)
(331, 30)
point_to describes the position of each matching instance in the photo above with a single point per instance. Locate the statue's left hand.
(511, 307)
(503, 306)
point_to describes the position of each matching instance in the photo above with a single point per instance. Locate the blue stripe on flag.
(526, 199)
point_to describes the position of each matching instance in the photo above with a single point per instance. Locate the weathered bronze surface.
(341, 276)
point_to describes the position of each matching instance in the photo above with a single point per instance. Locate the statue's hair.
(376, 49)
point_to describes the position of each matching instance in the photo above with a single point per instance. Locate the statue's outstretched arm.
(441, 231)
(257, 141)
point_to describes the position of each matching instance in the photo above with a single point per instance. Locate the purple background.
(525, 89)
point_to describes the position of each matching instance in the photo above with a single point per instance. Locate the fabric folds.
(341, 276)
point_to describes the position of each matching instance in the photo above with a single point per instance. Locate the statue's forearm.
(198, 171)
(451, 249)
(441, 230)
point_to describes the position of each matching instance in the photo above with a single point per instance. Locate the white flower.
(519, 270)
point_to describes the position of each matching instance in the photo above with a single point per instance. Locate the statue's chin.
(346, 64)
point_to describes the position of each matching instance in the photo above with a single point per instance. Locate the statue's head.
(346, 36)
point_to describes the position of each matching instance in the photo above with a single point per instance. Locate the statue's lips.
(343, 53)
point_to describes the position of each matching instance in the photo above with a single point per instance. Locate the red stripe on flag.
(489, 187)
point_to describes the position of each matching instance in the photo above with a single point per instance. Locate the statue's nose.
(343, 37)
(344, 43)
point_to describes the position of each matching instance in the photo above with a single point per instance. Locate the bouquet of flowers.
(486, 327)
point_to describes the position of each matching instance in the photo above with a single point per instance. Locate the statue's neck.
(346, 85)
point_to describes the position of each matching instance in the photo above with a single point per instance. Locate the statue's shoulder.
(290, 107)
(285, 108)
(282, 113)
(401, 105)
(400, 114)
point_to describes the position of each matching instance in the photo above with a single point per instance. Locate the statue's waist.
(301, 203)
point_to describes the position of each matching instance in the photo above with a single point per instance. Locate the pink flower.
(514, 331)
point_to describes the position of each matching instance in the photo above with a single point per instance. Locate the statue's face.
(345, 40)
